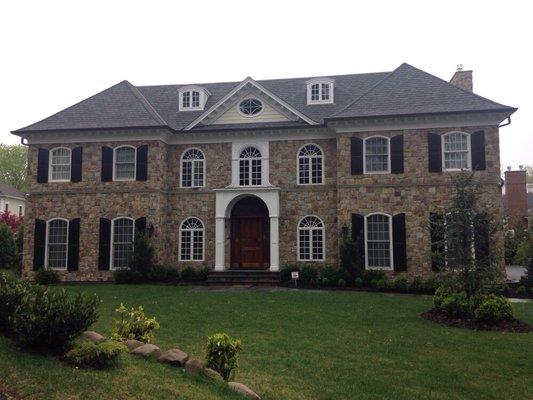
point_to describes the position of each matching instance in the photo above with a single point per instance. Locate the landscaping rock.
(147, 350)
(212, 374)
(174, 357)
(244, 390)
(194, 366)
(92, 336)
(133, 344)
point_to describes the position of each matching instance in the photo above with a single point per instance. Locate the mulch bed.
(513, 325)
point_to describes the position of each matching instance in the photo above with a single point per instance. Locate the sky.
(56, 53)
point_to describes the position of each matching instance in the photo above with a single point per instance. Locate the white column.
(220, 243)
(274, 244)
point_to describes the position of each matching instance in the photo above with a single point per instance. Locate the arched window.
(60, 164)
(250, 167)
(311, 239)
(192, 168)
(57, 243)
(377, 154)
(124, 162)
(456, 151)
(378, 241)
(310, 165)
(192, 240)
(122, 237)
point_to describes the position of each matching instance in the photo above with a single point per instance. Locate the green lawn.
(296, 345)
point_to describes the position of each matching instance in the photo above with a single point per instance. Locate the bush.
(453, 304)
(94, 355)
(8, 247)
(46, 277)
(286, 272)
(370, 275)
(191, 274)
(341, 283)
(493, 309)
(51, 319)
(521, 290)
(12, 290)
(382, 285)
(400, 284)
(161, 273)
(142, 259)
(309, 276)
(222, 354)
(134, 324)
(358, 282)
(125, 275)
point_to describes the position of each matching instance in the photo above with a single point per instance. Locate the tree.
(349, 255)
(142, 259)
(529, 173)
(11, 220)
(13, 161)
(8, 248)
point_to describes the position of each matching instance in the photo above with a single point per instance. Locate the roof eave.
(23, 131)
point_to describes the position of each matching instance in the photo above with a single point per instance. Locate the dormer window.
(192, 98)
(320, 91)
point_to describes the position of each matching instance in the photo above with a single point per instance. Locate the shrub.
(493, 309)
(286, 272)
(521, 290)
(329, 276)
(8, 247)
(455, 304)
(191, 274)
(309, 276)
(222, 353)
(51, 319)
(350, 258)
(134, 324)
(382, 285)
(400, 284)
(370, 275)
(125, 275)
(94, 355)
(12, 290)
(46, 277)
(341, 283)
(161, 273)
(358, 282)
(142, 259)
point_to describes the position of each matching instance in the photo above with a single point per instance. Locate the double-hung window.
(57, 243)
(192, 168)
(377, 155)
(378, 241)
(192, 240)
(310, 165)
(125, 161)
(122, 236)
(456, 151)
(60, 160)
(311, 239)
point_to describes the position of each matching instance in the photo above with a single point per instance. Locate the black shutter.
(356, 152)
(434, 153)
(358, 236)
(398, 242)
(39, 244)
(481, 236)
(436, 230)
(142, 163)
(75, 164)
(396, 151)
(107, 164)
(477, 143)
(42, 165)
(105, 244)
(140, 226)
(73, 244)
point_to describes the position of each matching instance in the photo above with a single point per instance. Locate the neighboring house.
(516, 203)
(12, 200)
(256, 174)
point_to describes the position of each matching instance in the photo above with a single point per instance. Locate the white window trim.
(323, 228)
(388, 158)
(391, 268)
(115, 165)
(250, 98)
(203, 95)
(21, 211)
(323, 178)
(320, 81)
(112, 247)
(192, 161)
(50, 157)
(468, 156)
(192, 241)
(249, 167)
(46, 245)
(6, 207)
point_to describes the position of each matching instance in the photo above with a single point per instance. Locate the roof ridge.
(146, 104)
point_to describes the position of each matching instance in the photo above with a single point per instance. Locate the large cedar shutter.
(477, 143)
(140, 226)
(107, 164)
(436, 230)
(142, 163)
(396, 150)
(42, 165)
(105, 244)
(481, 236)
(75, 164)
(434, 153)
(73, 244)
(398, 242)
(356, 152)
(39, 244)
(358, 236)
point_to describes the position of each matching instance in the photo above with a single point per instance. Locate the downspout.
(22, 142)
(507, 123)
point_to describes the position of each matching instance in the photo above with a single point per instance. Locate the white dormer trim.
(252, 83)
(202, 93)
(321, 81)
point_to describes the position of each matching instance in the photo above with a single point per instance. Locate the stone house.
(256, 174)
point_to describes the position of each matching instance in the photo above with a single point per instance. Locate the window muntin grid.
(190, 99)
(377, 154)
(57, 244)
(192, 240)
(310, 165)
(192, 168)
(250, 107)
(125, 163)
(456, 151)
(60, 164)
(311, 239)
(378, 241)
(250, 167)
(325, 92)
(320, 92)
(186, 100)
(123, 237)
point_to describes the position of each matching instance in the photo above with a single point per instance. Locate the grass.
(296, 345)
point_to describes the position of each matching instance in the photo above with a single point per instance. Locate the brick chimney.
(515, 194)
(463, 79)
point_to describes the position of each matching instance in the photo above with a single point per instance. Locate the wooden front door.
(250, 234)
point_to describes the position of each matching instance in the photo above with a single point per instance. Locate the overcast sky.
(56, 53)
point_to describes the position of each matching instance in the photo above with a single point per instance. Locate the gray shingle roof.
(6, 190)
(406, 90)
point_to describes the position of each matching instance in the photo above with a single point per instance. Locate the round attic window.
(250, 107)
